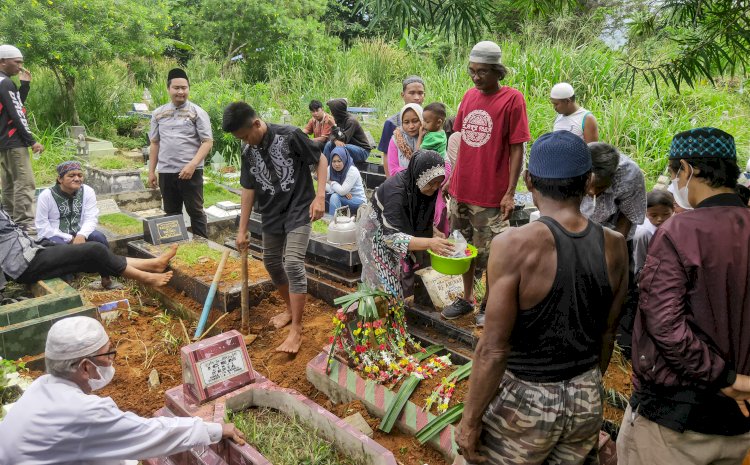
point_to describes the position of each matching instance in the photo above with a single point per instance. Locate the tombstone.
(215, 366)
(107, 207)
(436, 288)
(165, 229)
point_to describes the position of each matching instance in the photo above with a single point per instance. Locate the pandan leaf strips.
(399, 400)
(436, 425)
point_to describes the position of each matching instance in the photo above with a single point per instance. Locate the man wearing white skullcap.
(16, 174)
(494, 126)
(570, 116)
(58, 420)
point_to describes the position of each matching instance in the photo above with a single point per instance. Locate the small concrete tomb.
(215, 366)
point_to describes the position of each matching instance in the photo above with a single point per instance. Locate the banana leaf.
(436, 425)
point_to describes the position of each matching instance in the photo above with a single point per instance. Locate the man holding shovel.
(276, 168)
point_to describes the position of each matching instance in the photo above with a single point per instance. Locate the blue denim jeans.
(357, 153)
(334, 201)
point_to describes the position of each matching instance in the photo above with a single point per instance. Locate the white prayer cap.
(9, 51)
(74, 337)
(487, 52)
(562, 91)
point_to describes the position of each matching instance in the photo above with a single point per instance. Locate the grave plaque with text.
(164, 230)
(215, 366)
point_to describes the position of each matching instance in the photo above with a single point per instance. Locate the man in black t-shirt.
(535, 388)
(275, 168)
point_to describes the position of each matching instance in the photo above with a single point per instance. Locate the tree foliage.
(256, 29)
(682, 41)
(462, 20)
(71, 36)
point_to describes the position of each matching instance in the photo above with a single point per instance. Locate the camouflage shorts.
(544, 423)
(479, 225)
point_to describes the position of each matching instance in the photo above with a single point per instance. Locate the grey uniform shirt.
(179, 132)
(626, 196)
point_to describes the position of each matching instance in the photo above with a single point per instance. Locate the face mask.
(681, 193)
(105, 377)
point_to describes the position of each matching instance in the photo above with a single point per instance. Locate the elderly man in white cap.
(58, 420)
(494, 127)
(16, 175)
(570, 116)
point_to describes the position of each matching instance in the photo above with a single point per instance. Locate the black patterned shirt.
(278, 170)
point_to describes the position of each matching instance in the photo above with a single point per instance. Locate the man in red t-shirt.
(494, 126)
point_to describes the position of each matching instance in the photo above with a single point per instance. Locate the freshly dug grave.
(200, 261)
(142, 342)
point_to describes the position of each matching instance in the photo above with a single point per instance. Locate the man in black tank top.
(535, 387)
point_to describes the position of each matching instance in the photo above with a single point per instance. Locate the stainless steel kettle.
(343, 229)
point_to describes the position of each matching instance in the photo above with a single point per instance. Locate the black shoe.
(479, 319)
(458, 308)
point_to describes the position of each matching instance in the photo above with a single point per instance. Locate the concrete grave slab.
(107, 206)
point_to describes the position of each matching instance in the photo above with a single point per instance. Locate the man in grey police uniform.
(181, 137)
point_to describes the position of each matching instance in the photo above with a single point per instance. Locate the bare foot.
(157, 279)
(281, 320)
(292, 342)
(163, 259)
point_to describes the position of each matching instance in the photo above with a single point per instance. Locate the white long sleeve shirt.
(54, 422)
(47, 218)
(352, 185)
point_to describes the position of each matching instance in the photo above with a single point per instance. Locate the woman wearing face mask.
(344, 186)
(404, 140)
(399, 222)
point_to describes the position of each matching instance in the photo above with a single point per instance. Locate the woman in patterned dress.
(398, 221)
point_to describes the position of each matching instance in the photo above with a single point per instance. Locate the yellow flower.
(357, 331)
(356, 360)
(375, 369)
(368, 369)
(443, 407)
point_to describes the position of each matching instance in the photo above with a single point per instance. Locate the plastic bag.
(459, 244)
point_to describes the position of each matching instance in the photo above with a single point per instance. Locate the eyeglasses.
(112, 354)
(482, 73)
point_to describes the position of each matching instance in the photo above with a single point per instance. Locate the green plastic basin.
(452, 266)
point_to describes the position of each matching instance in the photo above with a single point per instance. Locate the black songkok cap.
(177, 73)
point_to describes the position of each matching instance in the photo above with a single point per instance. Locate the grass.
(213, 194)
(193, 253)
(113, 162)
(639, 122)
(120, 223)
(284, 440)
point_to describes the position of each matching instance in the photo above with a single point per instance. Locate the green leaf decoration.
(436, 425)
(395, 407)
(461, 373)
(430, 351)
